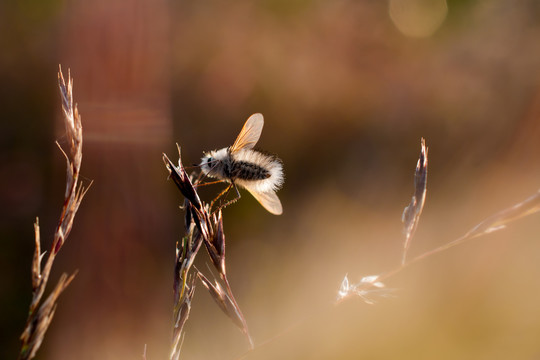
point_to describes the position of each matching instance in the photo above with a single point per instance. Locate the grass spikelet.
(201, 227)
(412, 212)
(41, 312)
(411, 215)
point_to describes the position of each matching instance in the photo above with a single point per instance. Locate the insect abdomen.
(247, 171)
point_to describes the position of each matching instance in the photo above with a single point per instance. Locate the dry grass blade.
(493, 223)
(186, 250)
(216, 245)
(184, 284)
(36, 260)
(201, 227)
(499, 220)
(33, 335)
(41, 313)
(197, 211)
(144, 352)
(181, 313)
(411, 214)
(182, 181)
(227, 304)
(221, 298)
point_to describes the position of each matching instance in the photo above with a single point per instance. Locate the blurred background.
(347, 89)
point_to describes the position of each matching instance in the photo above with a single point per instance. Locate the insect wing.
(250, 133)
(269, 200)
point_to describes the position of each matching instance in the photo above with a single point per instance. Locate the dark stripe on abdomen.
(248, 171)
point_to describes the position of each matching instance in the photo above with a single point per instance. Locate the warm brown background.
(347, 88)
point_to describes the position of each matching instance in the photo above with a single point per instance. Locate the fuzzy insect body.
(261, 174)
(247, 171)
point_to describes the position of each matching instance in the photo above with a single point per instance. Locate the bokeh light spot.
(418, 18)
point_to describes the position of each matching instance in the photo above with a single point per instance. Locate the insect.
(260, 174)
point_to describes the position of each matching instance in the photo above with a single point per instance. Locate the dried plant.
(202, 226)
(41, 312)
(412, 212)
(373, 285)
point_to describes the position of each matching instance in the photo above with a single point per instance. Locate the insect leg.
(221, 194)
(210, 183)
(201, 177)
(238, 196)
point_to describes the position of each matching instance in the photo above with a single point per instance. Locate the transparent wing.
(250, 133)
(269, 200)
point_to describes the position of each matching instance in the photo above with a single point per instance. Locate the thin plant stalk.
(411, 214)
(41, 313)
(370, 285)
(202, 226)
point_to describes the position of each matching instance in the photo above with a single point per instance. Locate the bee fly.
(239, 164)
